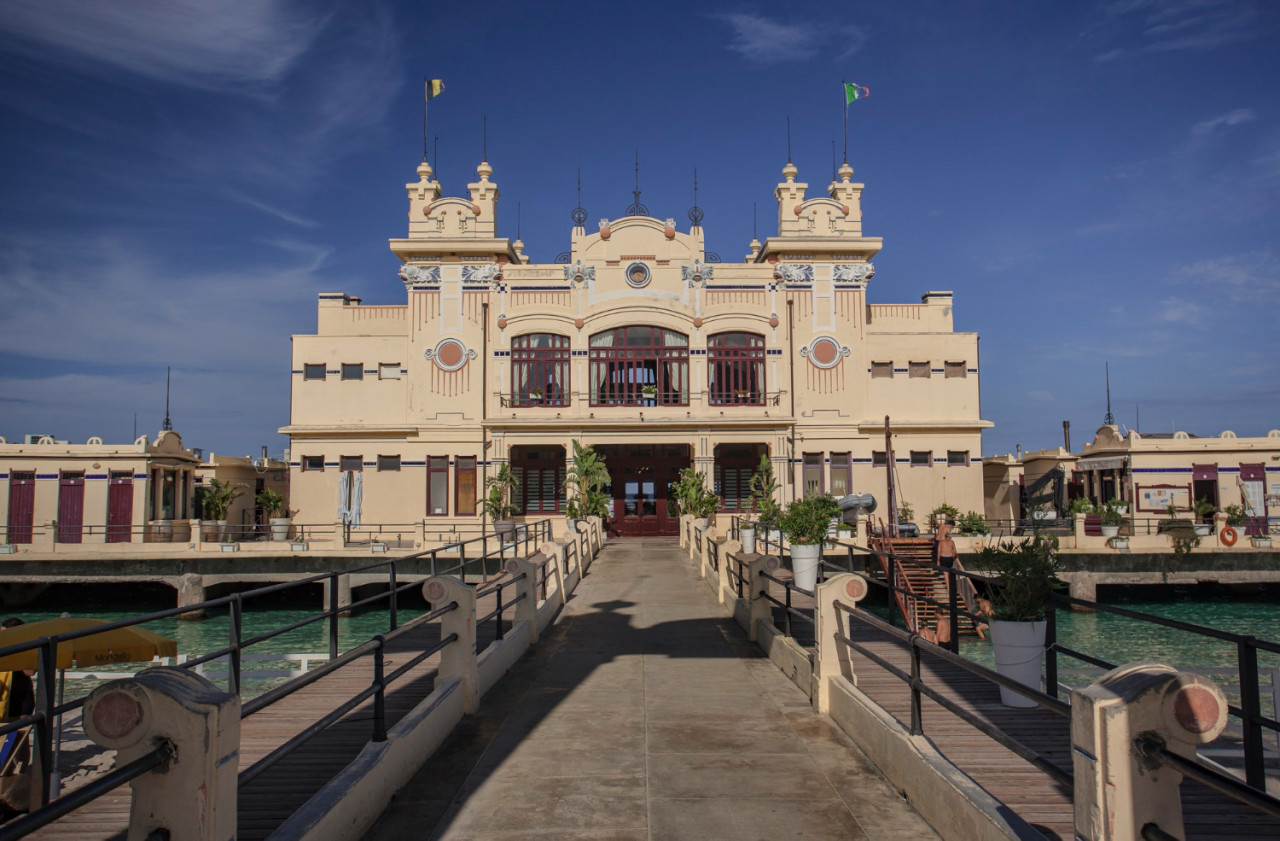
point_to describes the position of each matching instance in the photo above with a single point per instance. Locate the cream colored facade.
(95, 493)
(1153, 470)
(253, 476)
(777, 354)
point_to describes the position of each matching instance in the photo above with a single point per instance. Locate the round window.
(638, 275)
(824, 352)
(450, 354)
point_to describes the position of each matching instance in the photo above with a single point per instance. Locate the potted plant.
(1081, 505)
(1235, 515)
(1181, 532)
(586, 478)
(695, 498)
(497, 503)
(1204, 511)
(277, 508)
(944, 513)
(1024, 576)
(1119, 504)
(216, 500)
(764, 489)
(535, 395)
(804, 523)
(649, 391)
(1112, 518)
(973, 523)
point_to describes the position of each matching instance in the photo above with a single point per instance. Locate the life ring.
(1229, 536)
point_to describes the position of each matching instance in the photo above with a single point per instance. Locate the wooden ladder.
(922, 579)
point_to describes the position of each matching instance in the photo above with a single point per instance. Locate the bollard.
(1117, 791)
(195, 796)
(704, 560)
(832, 658)
(761, 608)
(724, 587)
(457, 660)
(527, 607)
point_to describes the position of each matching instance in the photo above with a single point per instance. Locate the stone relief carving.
(696, 273)
(795, 272)
(579, 273)
(482, 274)
(855, 273)
(412, 275)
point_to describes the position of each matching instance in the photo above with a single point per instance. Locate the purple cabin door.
(70, 507)
(120, 508)
(22, 506)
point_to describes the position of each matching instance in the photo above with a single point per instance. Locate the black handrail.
(1152, 748)
(47, 710)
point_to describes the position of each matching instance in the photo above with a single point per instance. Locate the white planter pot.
(224, 531)
(1119, 543)
(1110, 531)
(279, 528)
(804, 565)
(748, 538)
(1203, 530)
(1261, 542)
(1019, 650)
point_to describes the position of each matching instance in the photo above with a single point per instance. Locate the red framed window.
(438, 486)
(465, 487)
(735, 368)
(639, 366)
(540, 370)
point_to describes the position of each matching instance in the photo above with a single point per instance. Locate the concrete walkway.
(645, 714)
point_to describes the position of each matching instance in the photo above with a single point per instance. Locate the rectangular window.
(881, 369)
(812, 474)
(389, 371)
(918, 370)
(388, 464)
(313, 371)
(955, 369)
(438, 486)
(465, 486)
(877, 458)
(921, 458)
(351, 464)
(957, 458)
(353, 370)
(313, 463)
(841, 475)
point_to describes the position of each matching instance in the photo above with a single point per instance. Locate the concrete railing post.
(526, 592)
(832, 658)
(558, 554)
(457, 660)
(709, 536)
(1118, 792)
(1077, 527)
(724, 588)
(195, 796)
(761, 608)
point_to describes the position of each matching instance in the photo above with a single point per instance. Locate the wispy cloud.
(1237, 117)
(1242, 278)
(766, 41)
(272, 210)
(1170, 25)
(235, 45)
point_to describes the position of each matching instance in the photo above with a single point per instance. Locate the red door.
(70, 507)
(22, 506)
(120, 508)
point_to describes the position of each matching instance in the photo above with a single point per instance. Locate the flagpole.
(845, 89)
(425, 100)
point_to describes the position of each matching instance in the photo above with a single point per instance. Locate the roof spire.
(1110, 419)
(578, 215)
(695, 213)
(636, 208)
(168, 424)
(788, 138)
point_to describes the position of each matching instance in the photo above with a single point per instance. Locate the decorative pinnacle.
(578, 215)
(636, 208)
(695, 213)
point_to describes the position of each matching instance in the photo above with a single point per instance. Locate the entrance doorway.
(641, 476)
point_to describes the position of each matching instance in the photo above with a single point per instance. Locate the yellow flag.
(435, 87)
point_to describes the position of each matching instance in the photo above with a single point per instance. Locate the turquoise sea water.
(1113, 638)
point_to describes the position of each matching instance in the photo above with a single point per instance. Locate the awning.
(1112, 463)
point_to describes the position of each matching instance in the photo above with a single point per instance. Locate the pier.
(642, 689)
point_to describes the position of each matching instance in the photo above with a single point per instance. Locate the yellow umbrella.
(131, 644)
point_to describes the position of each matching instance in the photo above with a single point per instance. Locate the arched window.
(735, 369)
(540, 370)
(639, 366)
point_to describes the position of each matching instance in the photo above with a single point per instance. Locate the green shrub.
(973, 523)
(1026, 574)
(805, 522)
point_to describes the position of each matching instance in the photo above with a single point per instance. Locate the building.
(253, 476)
(56, 492)
(1154, 470)
(642, 343)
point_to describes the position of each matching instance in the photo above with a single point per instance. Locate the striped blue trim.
(738, 286)
(295, 464)
(773, 352)
(331, 464)
(4, 475)
(971, 370)
(484, 287)
(579, 353)
(696, 352)
(140, 476)
(901, 370)
(502, 353)
(333, 371)
(413, 464)
(799, 285)
(46, 475)
(96, 476)
(539, 289)
(296, 371)
(937, 371)
(862, 461)
(371, 370)
(1160, 469)
(426, 287)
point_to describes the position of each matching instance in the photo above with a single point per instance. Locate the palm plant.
(276, 504)
(764, 488)
(586, 477)
(218, 497)
(497, 504)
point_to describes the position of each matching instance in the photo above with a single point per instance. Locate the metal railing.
(48, 712)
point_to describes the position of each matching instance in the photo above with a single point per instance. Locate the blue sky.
(1095, 181)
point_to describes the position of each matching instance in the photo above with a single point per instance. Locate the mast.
(888, 463)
